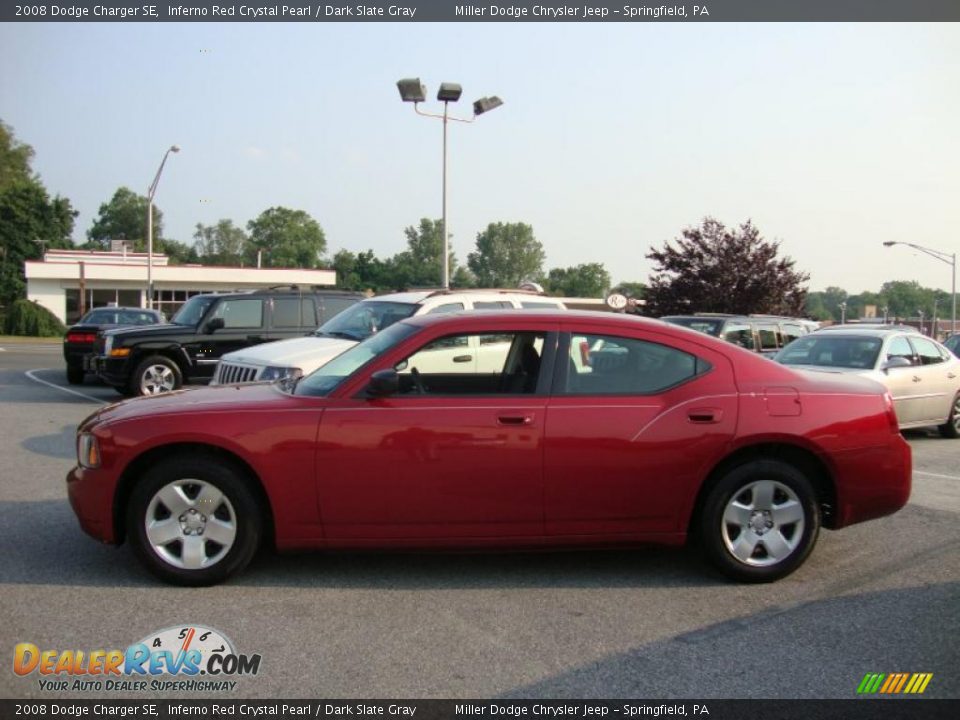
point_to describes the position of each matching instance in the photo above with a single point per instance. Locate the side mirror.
(897, 361)
(383, 383)
(214, 325)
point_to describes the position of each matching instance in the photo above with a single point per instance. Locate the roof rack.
(450, 291)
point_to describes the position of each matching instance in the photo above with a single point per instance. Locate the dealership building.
(120, 278)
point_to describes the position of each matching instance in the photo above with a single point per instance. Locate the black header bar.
(622, 11)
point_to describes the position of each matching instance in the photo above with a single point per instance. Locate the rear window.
(710, 326)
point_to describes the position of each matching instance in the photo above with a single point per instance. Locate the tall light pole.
(950, 260)
(150, 193)
(412, 90)
(843, 313)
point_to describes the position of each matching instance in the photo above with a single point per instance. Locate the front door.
(454, 454)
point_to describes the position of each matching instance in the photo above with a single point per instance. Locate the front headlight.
(88, 450)
(272, 373)
(107, 344)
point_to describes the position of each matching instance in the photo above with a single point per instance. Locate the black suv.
(764, 334)
(161, 358)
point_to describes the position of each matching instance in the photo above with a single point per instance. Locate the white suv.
(290, 359)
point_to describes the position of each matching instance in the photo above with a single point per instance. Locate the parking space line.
(29, 374)
(945, 477)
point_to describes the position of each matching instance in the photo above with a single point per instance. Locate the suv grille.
(230, 374)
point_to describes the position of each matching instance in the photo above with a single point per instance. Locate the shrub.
(25, 317)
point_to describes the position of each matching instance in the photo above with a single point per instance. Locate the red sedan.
(523, 429)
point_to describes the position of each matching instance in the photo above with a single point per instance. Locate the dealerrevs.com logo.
(187, 658)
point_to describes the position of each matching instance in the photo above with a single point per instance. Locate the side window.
(791, 332)
(928, 352)
(474, 364)
(446, 308)
(900, 347)
(605, 365)
(538, 305)
(739, 334)
(335, 305)
(492, 304)
(241, 313)
(294, 312)
(767, 334)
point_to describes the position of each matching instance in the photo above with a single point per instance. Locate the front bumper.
(91, 498)
(113, 371)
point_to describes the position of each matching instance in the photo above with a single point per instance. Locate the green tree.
(421, 263)
(713, 269)
(631, 289)
(507, 255)
(179, 253)
(585, 280)
(362, 271)
(124, 217)
(221, 244)
(30, 221)
(287, 238)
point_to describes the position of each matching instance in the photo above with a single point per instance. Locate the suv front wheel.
(154, 375)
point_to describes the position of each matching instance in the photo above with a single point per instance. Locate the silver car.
(922, 375)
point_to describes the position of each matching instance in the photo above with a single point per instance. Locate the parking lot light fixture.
(949, 259)
(412, 90)
(151, 192)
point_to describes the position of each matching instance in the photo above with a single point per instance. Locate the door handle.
(916, 378)
(515, 419)
(705, 416)
(951, 376)
(463, 358)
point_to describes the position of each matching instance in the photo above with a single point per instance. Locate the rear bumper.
(873, 482)
(91, 498)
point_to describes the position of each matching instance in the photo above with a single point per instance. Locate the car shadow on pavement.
(56, 445)
(816, 649)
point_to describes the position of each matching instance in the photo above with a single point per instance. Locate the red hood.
(261, 396)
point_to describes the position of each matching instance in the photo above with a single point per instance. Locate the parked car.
(675, 434)
(952, 344)
(765, 334)
(921, 374)
(291, 359)
(78, 343)
(152, 360)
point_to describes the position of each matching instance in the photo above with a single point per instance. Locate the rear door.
(632, 430)
(292, 316)
(938, 380)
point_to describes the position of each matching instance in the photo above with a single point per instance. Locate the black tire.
(75, 374)
(767, 544)
(951, 428)
(147, 374)
(169, 560)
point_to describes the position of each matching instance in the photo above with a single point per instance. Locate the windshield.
(832, 351)
(366, 318)
(113, 316)
(326, 378)
(193, 310)
(953, 344)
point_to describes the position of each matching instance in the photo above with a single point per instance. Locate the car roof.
(868, 331)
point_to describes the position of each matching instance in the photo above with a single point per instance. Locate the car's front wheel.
(951, 428)
(193, 521)
(155, 375)
(760, 521)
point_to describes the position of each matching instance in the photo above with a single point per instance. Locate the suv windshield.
(325, 379)
(366, 318)
(193, 310)
(832, 351)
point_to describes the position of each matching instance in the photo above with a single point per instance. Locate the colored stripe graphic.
(894, 683)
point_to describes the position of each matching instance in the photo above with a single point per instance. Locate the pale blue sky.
(612, 138)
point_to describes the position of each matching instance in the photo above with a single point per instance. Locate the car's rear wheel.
(75, 374)
(193, 521)
(760, 521)
(951, 428)
(155, 375)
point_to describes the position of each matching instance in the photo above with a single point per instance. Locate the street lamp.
(150, 193)
(843, 313)
(412, 90)
(950, 260)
